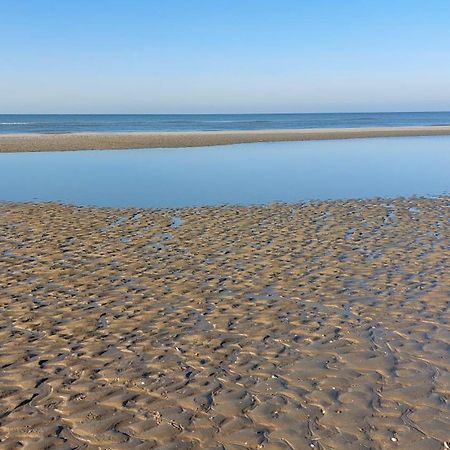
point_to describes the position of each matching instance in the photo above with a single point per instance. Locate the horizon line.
(220, 113)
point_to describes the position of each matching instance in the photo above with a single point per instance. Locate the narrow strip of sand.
(34, 142)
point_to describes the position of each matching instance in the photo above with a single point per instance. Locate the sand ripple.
(321, 325)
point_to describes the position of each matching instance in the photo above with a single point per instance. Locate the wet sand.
(313, 326)
(127, 140)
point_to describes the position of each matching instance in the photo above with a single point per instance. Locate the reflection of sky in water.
(242, 174)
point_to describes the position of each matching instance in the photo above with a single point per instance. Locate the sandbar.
(33, 142)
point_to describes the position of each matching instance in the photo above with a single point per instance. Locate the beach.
(28, 142)
(225, 225)
(320, 325)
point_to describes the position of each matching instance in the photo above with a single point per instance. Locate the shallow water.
(237, 174)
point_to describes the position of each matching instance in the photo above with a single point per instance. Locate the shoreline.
(36, 142)
(322, 203)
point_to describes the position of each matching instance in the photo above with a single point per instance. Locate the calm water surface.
(237, 174)
(70, 123)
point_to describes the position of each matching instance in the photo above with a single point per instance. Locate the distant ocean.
(71, 123)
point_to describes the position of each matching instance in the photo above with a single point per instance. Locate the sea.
(72, 123)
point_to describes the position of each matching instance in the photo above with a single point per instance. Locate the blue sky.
(181, 56)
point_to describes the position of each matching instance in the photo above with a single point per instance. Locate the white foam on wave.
(16, 123)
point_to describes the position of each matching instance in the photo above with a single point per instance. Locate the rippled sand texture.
(322, 325)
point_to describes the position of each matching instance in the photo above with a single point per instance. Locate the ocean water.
(70, 123)
(256, 173)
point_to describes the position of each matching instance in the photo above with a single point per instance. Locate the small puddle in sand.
(102, 322)
(349, 233)
(119, 221)
(176, 222)
(390, 216)
(201, 323)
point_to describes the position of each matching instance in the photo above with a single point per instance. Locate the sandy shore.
(90, 141)
(321, 325)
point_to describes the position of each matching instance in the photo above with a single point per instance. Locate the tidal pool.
(236, 174)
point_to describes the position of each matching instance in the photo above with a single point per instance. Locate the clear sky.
(181, 56)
